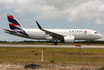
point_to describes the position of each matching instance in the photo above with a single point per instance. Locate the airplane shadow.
(101, 68)
(32, 66)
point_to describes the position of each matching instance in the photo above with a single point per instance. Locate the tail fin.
(13, 23)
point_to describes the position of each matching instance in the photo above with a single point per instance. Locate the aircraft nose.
(99, 36)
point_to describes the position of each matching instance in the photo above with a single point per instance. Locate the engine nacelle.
(49, 38)
(69, 39)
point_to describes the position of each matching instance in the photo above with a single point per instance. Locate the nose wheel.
(88, 42)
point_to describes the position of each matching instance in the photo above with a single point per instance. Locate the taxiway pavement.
(47, 46)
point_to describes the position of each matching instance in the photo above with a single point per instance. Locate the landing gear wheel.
(88, 43)
(55, 43)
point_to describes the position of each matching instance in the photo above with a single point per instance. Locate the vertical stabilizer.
(13, 22)
(14, 25)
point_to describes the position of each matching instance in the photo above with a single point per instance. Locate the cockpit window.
(95, 32)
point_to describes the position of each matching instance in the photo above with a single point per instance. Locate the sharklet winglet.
(39, 25)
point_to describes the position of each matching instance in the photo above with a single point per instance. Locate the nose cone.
(99, 36)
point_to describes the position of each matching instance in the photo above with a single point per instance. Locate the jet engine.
(68, 39)
(49, 38)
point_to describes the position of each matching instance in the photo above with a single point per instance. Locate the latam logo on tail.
(64, 35)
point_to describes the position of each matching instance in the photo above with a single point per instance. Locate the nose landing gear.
(88, 42)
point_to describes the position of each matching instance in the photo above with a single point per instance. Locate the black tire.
(55, 43)
(88, 42)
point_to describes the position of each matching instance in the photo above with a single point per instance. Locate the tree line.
(49, 41)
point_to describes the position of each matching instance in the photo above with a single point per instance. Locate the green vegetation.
(36, 54)
(50, 42)
(57, 56)
(92, 42)
(33, 51)
(52, 61)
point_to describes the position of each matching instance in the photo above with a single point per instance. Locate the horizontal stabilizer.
(10, 31)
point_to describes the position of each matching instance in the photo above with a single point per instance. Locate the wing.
(55, 36)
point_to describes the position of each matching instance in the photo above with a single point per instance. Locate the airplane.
(63, 35)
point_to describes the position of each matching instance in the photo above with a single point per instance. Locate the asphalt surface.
(47, 46)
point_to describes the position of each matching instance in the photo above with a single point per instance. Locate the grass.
(52, 61)
(58, 56)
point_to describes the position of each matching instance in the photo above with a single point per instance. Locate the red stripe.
(85, 30)
(11, 16)
(13, 24)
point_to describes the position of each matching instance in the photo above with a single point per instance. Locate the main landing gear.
(55, 42)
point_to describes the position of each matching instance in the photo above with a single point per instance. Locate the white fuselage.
(79, 34)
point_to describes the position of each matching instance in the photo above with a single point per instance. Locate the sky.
(52, 14)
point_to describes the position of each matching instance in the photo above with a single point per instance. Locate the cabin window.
(95, 32)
